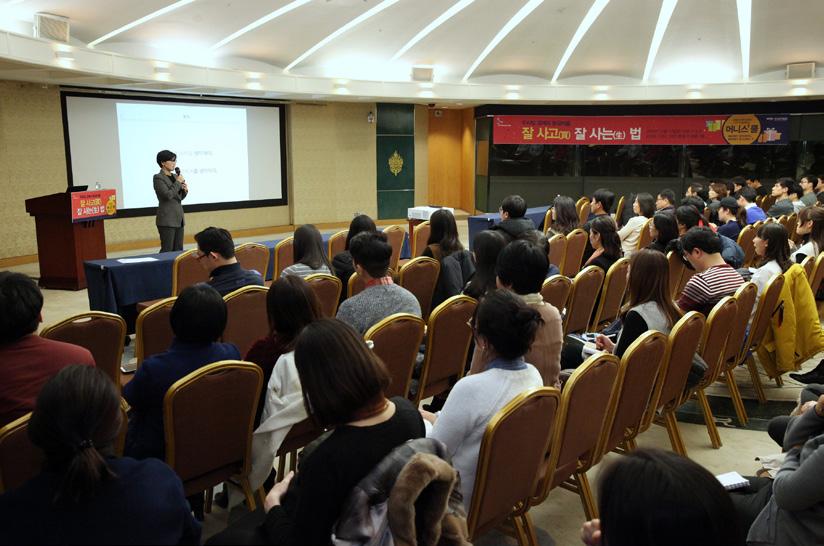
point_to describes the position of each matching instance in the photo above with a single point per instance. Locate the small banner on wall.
(643, 130)
(93, 205)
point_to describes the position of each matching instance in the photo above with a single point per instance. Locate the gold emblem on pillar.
(395, 163)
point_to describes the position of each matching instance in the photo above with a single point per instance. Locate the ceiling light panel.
(137, 22)
(744, 28)
(345, 28)
(593, 13)
(262, 21)
(664, 16)
(442, 18)
(510, 25)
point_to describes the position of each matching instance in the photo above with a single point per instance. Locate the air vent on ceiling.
(51, 27)
(800, 71)
(423, 73)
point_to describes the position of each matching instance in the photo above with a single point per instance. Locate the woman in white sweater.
(505, 326)
(811, 228)
(772, 247)
(644, 208)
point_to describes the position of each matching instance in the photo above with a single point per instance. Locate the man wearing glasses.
(216, 254)
(713, 278)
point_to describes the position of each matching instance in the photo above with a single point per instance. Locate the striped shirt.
(303, 270)
(705, 289)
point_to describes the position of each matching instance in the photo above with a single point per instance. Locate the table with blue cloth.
(485, 221)
(118, 287)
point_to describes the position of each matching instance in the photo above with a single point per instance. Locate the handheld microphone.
(177, 171)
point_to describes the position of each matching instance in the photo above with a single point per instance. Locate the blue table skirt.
(113, 285)
(481, 222)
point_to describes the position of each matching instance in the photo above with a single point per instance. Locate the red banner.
(92, 205)
(622, 130)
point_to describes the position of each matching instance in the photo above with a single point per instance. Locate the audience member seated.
(688, 217)
(605, 243)
(808, 183)
(445, 246)
(342, 261)
(504, 326)
(790, 509)
(781, 191)
(651, 497)
(535, 237)
(777, 426)
(795, 197)
(754, 183)
(663, 229)
(291, 304)
(521, 268)
(198, 318)
(752, 213)
(310, 254)
(714, 278)
(644, 208)
(696, 190)
(649, 308)
(564, 216)
(600, 205)
(216, 253)
(665, 202)
(772, 247)
(486, 247)
(513, 220)
(727, 213)
(343, 386)
(717, 192)
(85, 495)
(27, 360)
(738, 183)
(381, 297)
(811, 228)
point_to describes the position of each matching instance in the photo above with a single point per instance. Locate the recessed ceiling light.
(593, 13)
(136, 22)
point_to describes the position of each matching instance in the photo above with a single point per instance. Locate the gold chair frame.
(45, 332)
(168, 417)
(462, 351)
(330, 253)
(245, 246)
(138, 328)
(519, 517)
(278, 266)
(386, 322)
(336, 281)
(617, 273)
(187, 255)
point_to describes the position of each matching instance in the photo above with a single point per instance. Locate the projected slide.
(210, 143)
(229, 152)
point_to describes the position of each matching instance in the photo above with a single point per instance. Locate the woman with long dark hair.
(291, 304)
(772, 246)
(652, 497)
(564, 216)
(644, 207)
(342, 261)
(343, 385)
(445, 246)
(811, 228)
(663, 229)
(85, 495)
(486, 247)
(649, 307)
(603, 236)
(309, 253)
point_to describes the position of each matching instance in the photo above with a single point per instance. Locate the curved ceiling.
(480, 50)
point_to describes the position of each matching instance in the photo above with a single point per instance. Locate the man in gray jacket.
(171, 189)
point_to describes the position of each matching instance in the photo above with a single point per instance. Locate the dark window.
(631, 161)
(727, 161)
(532, 160)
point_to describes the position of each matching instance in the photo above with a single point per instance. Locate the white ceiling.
(699, 58)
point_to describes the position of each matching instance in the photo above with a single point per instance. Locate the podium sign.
(93, 205)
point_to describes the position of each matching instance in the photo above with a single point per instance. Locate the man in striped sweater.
(713, 279)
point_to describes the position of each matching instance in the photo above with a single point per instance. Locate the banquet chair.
(396, 340)
(103, 334)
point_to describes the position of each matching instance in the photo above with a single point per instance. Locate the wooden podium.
(64, 243)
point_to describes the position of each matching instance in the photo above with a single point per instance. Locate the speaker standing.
(171, 189)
